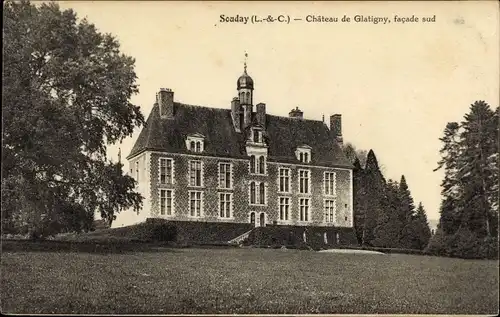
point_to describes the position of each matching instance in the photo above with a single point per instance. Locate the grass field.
(245, 281)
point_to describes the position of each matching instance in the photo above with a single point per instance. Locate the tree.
(359, 195)
(387, 232)
(478, 169)
(469, 211)
(352, 153)
(116, 192)
(67, 91)
(406, 214)
(422, 232)
(374, 183)
(451, 189)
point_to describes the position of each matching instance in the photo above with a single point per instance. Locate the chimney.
(261, 114)
(336, 127)
(296, 113)
(165, 99)
(235, 113)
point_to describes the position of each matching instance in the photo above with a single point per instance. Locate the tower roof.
(245, 81)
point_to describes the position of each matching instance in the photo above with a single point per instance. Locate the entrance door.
(262, 219)
(252, 218)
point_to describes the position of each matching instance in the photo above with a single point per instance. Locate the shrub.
(463, 244)
(438, 244)
(164, 232)
(489, 248)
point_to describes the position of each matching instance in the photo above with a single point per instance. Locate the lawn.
(240, 280)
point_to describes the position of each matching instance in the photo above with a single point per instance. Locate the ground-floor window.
(284, 203)
(195, 203)
(225, 203)
(304, 204)
(166, 202)
(329, 210)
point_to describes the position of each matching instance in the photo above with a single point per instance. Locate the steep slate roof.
(283, 135)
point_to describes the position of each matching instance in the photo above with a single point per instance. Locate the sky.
(396, 85)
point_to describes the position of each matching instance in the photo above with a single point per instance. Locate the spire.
(245, 81)
(245, 64)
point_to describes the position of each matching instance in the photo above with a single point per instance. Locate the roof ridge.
(303, 119)
(226, 109)
(198, 106)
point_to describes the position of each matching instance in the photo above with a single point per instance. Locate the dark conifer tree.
(389, 225)
(374, 183)
(359, 194)
(421, 228)
(449, 221)
(469, 211)
(478, 169)
(406, 215)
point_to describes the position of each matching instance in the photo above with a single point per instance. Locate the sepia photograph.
(250, 158)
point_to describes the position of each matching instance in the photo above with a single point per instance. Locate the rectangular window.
(304, 209)
(303, 182)
(284, 203)
(137, 171)
(253, 194)
(257, 193)
(329, 183)
(166, 202)
(262, 193)
(225, 201)
(262, 165)
(256, 138)
(284, 180)
(225, 175)
(165, 171)
(329, 211)
(195, 174)
(195, 203)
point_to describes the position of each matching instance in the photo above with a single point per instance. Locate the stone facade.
(149, 185)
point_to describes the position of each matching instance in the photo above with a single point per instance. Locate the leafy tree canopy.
(67, 90)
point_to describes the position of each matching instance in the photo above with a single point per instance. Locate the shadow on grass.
(86, 246)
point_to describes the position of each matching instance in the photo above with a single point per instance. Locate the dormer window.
(303, 153)
(195, 142)
(257, 136)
